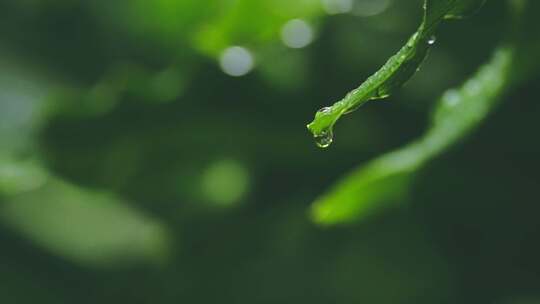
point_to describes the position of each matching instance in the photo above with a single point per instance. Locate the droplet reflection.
(324, 139)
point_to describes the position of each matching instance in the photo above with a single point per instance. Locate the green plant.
(387, 178)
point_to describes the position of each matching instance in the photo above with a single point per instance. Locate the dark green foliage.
(133, 170)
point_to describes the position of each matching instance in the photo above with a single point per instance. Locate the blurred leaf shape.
(87, 227)
(84, 226)
(121, 80)
(396, 71)
(207, 26)
(23, 92)
(18, 176)
(265, 19)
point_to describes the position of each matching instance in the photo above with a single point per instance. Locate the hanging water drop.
(432, 40)
(324, 139)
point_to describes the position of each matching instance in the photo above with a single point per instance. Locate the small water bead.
(325, 110)
(324, 139)
(432, 40)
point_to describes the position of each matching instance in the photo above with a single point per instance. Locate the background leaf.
(84, 226)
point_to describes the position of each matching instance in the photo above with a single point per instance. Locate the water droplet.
(324, 139)
(325, 110)
(432, 40)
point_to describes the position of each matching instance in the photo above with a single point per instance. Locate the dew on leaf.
(324, 139)
(325, 110)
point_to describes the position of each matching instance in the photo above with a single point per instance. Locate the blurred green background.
(156, 152)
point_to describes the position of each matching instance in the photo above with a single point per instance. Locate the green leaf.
(86, 227)
(17, 176)
(387, 178)
(397, 70)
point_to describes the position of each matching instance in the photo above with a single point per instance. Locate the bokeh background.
(156, 152)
